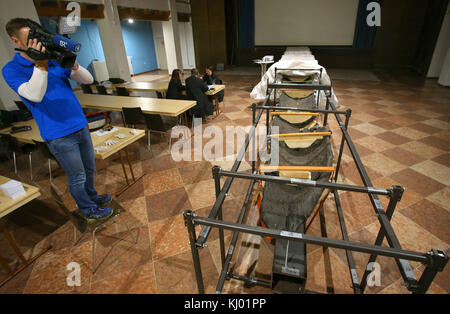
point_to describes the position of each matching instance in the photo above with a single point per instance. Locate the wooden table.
(35, 136)
(119, 148)
(263, 66)
(28, 136)
(215, 94)
(164, 107)
(8, 205)
(160, 87)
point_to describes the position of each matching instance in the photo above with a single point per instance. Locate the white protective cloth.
(82, 76)
(259, 91)
(34, 90)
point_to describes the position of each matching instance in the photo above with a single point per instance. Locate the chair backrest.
(11, 142)
(116, 80)
(43, 148)
(155, 122)
(21, 105)
(86, 89)
(101, 89)
(122, 91)
(133, 116)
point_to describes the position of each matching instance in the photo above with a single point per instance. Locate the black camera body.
(63, 56)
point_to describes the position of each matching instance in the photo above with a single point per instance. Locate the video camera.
(57, 47)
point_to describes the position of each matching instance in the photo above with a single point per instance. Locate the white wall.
(305, 22)
(169, 44)
(186, 41)
(187, 45)
(442, 47)
(9, 10)
(158, 39)
(111, 36)
(444, 77)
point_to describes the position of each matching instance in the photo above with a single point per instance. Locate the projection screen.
(305, 22)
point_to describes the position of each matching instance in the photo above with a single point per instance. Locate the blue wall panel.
(89, 38)
(138, 39)
(246, 23)
(137, 36)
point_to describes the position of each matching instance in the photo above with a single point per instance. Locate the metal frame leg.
(438, 261)
(395, 197)
(216, 176)
(93, 250)
(188, 215)
(15, 162)
(31, 166)
(50, 170)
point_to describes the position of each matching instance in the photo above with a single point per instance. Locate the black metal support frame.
(434, 260)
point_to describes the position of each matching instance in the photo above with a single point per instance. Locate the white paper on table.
(13, 189)
(103, 132)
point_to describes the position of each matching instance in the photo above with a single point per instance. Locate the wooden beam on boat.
(296, 168)
(289, 113)
(302, 135)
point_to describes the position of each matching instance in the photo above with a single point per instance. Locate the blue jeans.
(75, 154)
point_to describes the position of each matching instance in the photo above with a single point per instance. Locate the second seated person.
(195, 89)
(210, 78)
(175, 89)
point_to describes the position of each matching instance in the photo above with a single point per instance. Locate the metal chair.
(153, 122)
(122, 91)
(16, 147)
(21, 105)
(86, 89)
(132, 116)
(76, 217)
(101, 90)
(24, 113)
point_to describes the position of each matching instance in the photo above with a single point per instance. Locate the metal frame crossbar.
(434, 260)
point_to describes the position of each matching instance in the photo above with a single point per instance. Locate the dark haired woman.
(175, 89)
(210, 78)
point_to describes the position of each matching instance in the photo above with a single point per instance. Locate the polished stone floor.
(400, 126)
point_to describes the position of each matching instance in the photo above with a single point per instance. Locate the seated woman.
(210, 78)
(175, 89)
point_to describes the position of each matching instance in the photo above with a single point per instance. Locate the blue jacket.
(59, 113)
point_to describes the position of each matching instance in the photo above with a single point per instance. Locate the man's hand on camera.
(75, 66)
(34, 44)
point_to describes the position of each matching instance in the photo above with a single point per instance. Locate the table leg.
(128, 185)
(216, 105)
(123, 119)
(123, 167)
(13, 243)
(5, 265)
(184, 119)
(129, 165)
(16, 249)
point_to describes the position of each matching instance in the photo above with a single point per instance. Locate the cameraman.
(44, 87)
